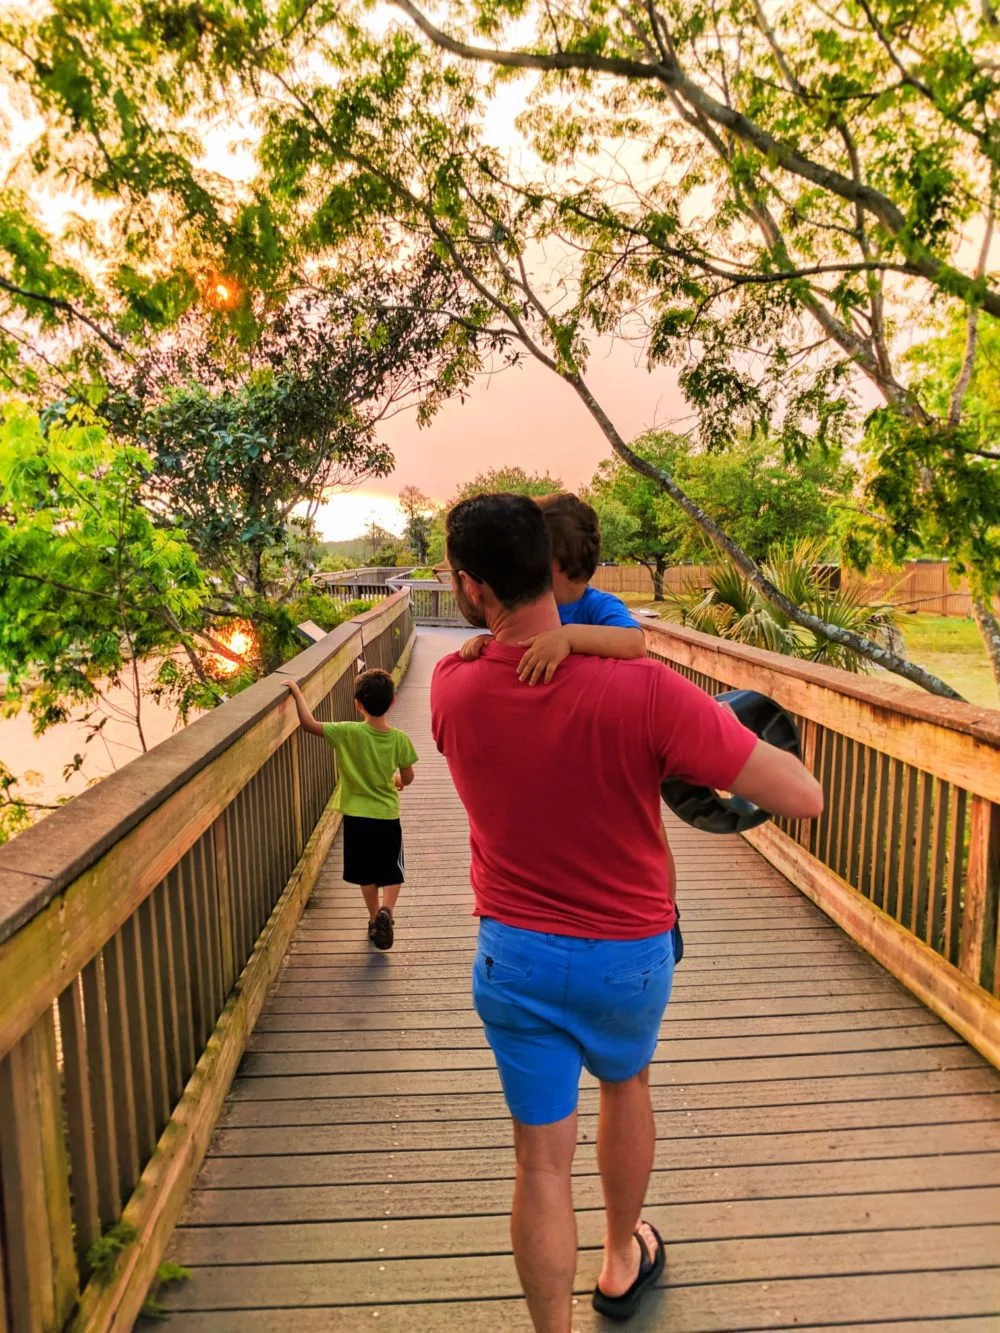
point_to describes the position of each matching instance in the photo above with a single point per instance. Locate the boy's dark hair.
(502, 540)
(374, 691)
(575, 534)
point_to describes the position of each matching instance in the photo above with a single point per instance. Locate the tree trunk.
(661, 566)
(989, 628)
(257, 572)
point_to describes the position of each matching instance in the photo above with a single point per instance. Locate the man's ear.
(472, 588)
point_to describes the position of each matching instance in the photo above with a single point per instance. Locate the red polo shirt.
(561, 783)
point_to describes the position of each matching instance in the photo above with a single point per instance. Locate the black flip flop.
(621, 1308)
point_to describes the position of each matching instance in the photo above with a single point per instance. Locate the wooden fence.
(140, 927)
(916, 586)
(906, 857)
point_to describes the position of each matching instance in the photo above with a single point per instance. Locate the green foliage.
(167, 1275)
(335, 564)
(810, 177)
(102, 1256)
(510, 480)
(932, 483)
(731, 608)
(419, 513)
(238, 440)
(89, 580)
(755, 494)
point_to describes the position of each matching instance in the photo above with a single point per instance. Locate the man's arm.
(306, 719)
(778, 782)
(546, 651)
(704, 742)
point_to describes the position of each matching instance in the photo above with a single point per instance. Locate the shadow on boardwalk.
(829, 1154)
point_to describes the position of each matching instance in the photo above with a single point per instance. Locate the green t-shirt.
(368, 761)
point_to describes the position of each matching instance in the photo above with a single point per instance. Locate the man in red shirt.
(574, 887)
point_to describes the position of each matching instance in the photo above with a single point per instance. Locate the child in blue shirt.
(593, 622)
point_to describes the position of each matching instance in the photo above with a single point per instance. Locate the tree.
(242, 437)
(634, 514)
(509, 480)
(816, 141)
(90, 582)
(848, 152)
(757, 496)
(927, 499)
(419, 513)
(383, 547)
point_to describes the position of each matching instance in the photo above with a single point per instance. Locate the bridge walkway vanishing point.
(828, 1156)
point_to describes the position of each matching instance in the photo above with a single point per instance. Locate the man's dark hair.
(374, 691)
(502, 540)
(575, 534)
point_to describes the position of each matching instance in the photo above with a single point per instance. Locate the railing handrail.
(957, 741)
(44, 859)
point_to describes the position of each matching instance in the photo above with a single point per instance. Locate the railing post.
(982, 886)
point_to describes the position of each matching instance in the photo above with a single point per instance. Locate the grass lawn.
(949, 646)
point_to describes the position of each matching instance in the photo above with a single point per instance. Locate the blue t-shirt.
(598, 608)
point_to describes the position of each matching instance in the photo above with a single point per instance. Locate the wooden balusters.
(79, 1120)
(979, 913)
(101, 1083)
(37, 1222)
(128, 1152)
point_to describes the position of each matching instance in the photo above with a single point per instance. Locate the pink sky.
(523, 416)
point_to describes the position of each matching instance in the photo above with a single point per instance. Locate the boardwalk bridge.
(202, 1060)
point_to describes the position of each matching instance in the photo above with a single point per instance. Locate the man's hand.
(544, 654)
(472, 648)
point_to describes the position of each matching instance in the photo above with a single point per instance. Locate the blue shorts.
(553, 1005)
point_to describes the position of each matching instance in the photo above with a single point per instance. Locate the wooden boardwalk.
(829, 1152)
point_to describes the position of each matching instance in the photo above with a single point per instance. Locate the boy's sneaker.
(371, 932)
(382, 933)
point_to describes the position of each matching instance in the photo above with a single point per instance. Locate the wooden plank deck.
(829, 1155)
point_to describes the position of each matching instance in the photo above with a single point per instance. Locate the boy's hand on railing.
(543, 656)
(472, 648)
(306, 719)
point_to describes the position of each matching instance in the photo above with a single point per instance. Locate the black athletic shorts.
(373, 851)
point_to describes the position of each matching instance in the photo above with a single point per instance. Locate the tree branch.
(60, 303)
(671, 77)
(971, 328)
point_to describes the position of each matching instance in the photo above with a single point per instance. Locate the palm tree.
(732, 609)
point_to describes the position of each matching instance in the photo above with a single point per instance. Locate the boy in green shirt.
(375, 762)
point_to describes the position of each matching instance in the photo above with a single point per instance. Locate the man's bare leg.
(543, 1224)
(626, 1146)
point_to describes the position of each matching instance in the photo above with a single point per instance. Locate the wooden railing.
(139, 929)
(433, 602)
(906, 856)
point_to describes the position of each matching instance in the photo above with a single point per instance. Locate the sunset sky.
(523, 416)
